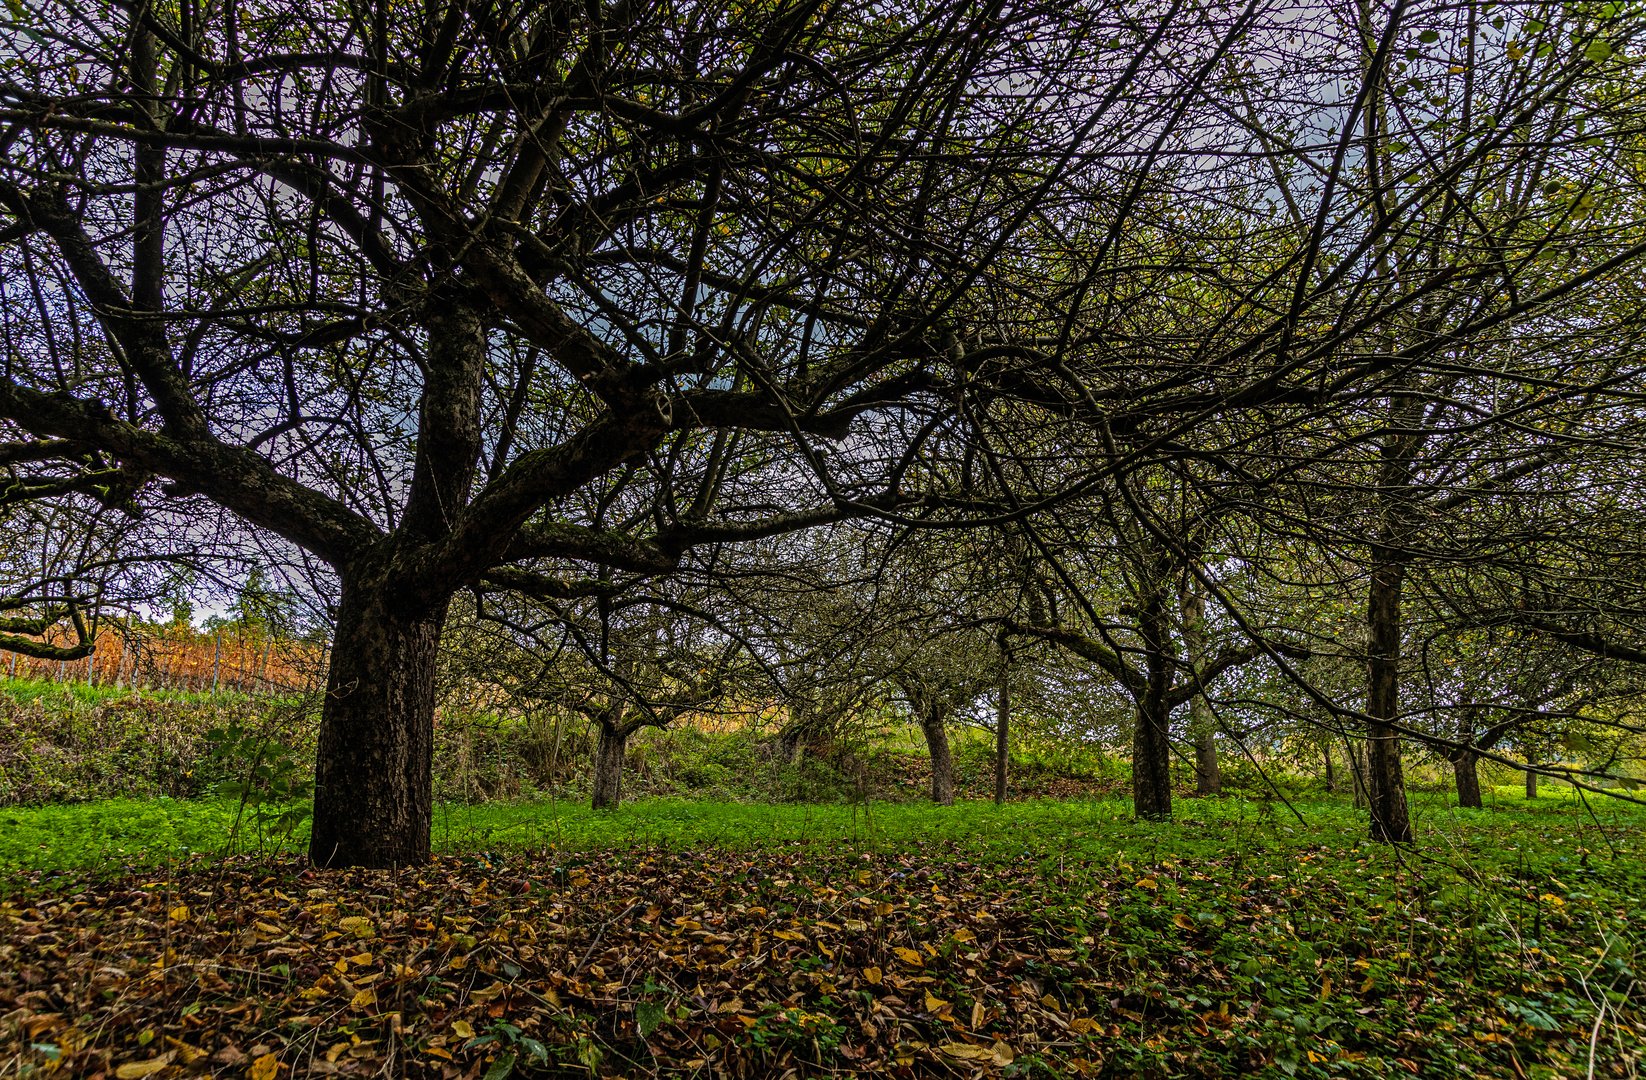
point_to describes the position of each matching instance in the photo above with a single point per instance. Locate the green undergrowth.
(74, 742)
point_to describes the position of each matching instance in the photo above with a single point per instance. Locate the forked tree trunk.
(1385, 778)
(609, 750)
(937, 742)
(1466, 767)
(372, 794)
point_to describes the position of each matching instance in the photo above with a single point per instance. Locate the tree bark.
(1531, 784)
(1331, 771)
(608, 766)
(937, 742)
(1208, 774)
(1151, 739)
(1466, 767)
(373, 796)
(1002, 727)
(1385, 779)
(1357, 763)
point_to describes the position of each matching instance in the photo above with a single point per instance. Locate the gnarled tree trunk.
(1151, 740)
(937, 742)
(1466, 768)
(610, 746)
(372, 795)
(1385, 778)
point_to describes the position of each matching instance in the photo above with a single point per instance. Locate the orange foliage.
(183, 658)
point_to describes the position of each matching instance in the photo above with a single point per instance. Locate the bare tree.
(500, 290)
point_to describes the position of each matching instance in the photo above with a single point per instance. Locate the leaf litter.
(727, 963)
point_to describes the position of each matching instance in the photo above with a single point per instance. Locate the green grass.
(129, 833)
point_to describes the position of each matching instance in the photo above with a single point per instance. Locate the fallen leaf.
(264, 1067)
(136, 1070)
(965, 1051)
(909, 956)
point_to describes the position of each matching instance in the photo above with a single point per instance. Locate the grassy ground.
(114, 835)
(696, 938)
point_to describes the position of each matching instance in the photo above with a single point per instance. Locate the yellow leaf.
(136, 1070)
(363, 1000)
(963, 935)
(463, 1029)
(909, 956)
(358, 925)
(360, 959)
(264, 1068)
(788, 935)
(965, 1051)
(180, 913)
(1182, 921)
(435, 1051)
(977, 1015)
(1003, 1054)
(871, 975)
(1148, 883)
(934, 1004)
